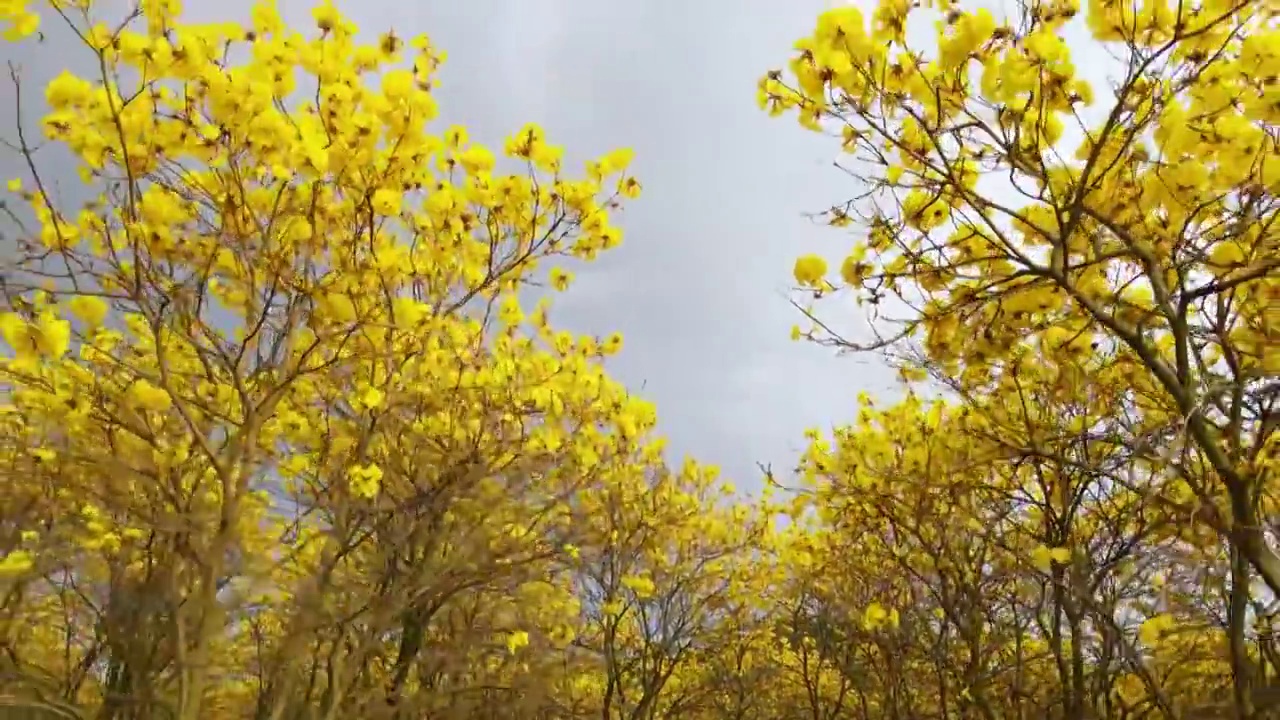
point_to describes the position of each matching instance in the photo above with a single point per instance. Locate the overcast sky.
(698, 287)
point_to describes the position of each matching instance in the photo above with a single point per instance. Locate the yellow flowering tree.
(1090, 277)
(1005, 218)
(670, 568)
(280, 438)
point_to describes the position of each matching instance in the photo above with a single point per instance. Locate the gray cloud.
(698, 286)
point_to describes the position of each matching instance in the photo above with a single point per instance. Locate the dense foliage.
(283, 436)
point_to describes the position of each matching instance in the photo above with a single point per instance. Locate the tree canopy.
(288, 431)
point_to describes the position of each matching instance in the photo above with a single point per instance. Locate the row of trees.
(1083, 526)
(284, 437)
